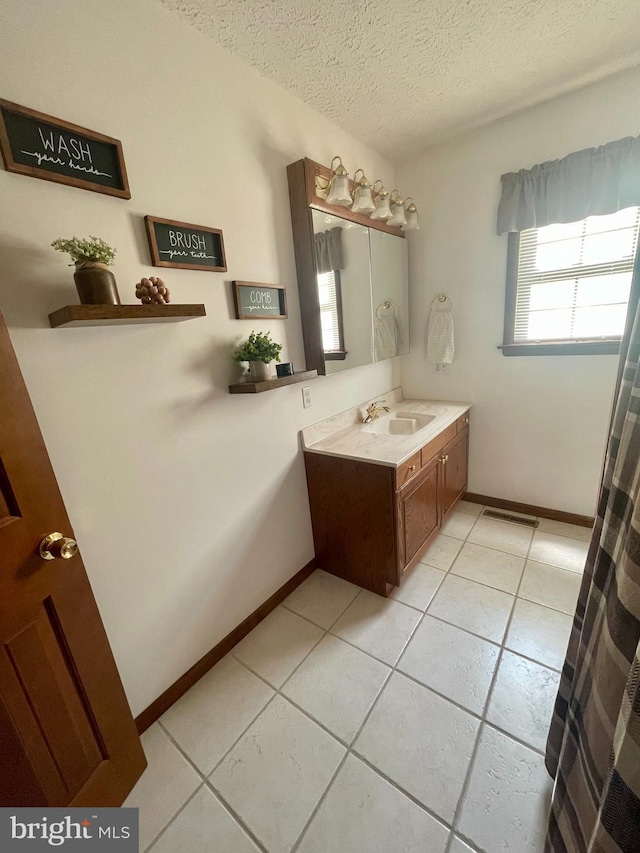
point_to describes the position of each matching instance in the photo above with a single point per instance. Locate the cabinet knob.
(443, 459)
(412, 467)
(466, 420)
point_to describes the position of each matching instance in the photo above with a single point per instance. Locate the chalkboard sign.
(185, 246)
(45, 147)
(259, 301)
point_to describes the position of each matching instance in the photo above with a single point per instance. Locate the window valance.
(591, 182)
(329, 254)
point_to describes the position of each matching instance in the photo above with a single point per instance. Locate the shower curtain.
(593, 749)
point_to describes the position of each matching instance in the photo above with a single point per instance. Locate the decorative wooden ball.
(150, 290)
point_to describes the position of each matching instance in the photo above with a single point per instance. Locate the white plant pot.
(260, 371)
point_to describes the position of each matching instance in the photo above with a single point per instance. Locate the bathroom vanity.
(379, 492)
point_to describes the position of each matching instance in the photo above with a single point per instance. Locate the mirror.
(344, 291)
(352, 279)
(390, 294)
(363, 292)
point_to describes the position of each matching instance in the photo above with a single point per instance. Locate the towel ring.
(386, 305)
(441, 297)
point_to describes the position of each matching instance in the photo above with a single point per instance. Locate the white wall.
(189, 504)
(539, 423)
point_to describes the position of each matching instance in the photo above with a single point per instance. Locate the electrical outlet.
(441, 368)
(306, 397)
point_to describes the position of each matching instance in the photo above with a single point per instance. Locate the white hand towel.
(440, 338)
(387, 338)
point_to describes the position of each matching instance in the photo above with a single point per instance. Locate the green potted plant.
(259, 350)
(95, 282)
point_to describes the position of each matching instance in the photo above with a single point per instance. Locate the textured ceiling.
(403, 74)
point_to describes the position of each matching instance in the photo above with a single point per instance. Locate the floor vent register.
(514, 519)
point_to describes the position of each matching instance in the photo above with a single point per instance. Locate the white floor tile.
(452, 662)
(507, 802)
(419, 586)
(164, 787)
(490, 567)
(275, 775)
(204, 826)
(472, 606)
(467, 506)
(336, 685)
(421, 742)
(561, 528)
(212, 715)
(539, 633)
(277, 645)
(522, 699)
(501, 535)
(363, 813)
(458, 846)
(442, 552)
(377, 625)
(458, 525)
(553, 587)
(322, 598)
(559, 551)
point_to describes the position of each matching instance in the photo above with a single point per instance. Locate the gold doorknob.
(55, 545)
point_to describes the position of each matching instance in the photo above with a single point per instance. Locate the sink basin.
(399, 423)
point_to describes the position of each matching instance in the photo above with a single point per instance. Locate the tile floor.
(349, 723)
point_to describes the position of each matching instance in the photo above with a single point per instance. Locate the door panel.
(419, 510)
(455, 470)
(54, 697)
(63, 712)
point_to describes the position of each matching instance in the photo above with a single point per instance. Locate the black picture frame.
(250, 298)
(42, 146)
(192, 245)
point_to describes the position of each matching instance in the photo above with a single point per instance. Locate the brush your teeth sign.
(185, 246)
(42, 146)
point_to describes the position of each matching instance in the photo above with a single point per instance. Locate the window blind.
(328, 297)
(574, 279)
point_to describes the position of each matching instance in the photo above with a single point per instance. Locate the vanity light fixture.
(381, 202)
(339, 185)
(398, 217)
(412, 223)
(362, 194)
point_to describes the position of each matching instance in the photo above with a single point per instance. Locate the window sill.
(335, 355)
(564, 348)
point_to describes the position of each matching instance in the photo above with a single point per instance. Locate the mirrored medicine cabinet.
(352, 278)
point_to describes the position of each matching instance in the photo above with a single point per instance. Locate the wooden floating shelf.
(119, 315)
(270, 384)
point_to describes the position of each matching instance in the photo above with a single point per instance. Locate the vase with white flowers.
(92, 257)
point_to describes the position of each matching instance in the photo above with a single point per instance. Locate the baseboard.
(530, 509)
(186, 681)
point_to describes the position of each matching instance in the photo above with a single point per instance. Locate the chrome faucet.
(373, 411)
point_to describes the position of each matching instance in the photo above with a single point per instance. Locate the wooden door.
(418, 505)
(67, 737)
(454, 470)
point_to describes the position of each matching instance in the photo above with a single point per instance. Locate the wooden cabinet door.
(418, 509)
(67, 737)
(454, 470)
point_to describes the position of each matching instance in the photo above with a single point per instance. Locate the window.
(568, 285)
(330, 300)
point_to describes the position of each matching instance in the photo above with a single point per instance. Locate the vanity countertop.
(344, 436)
